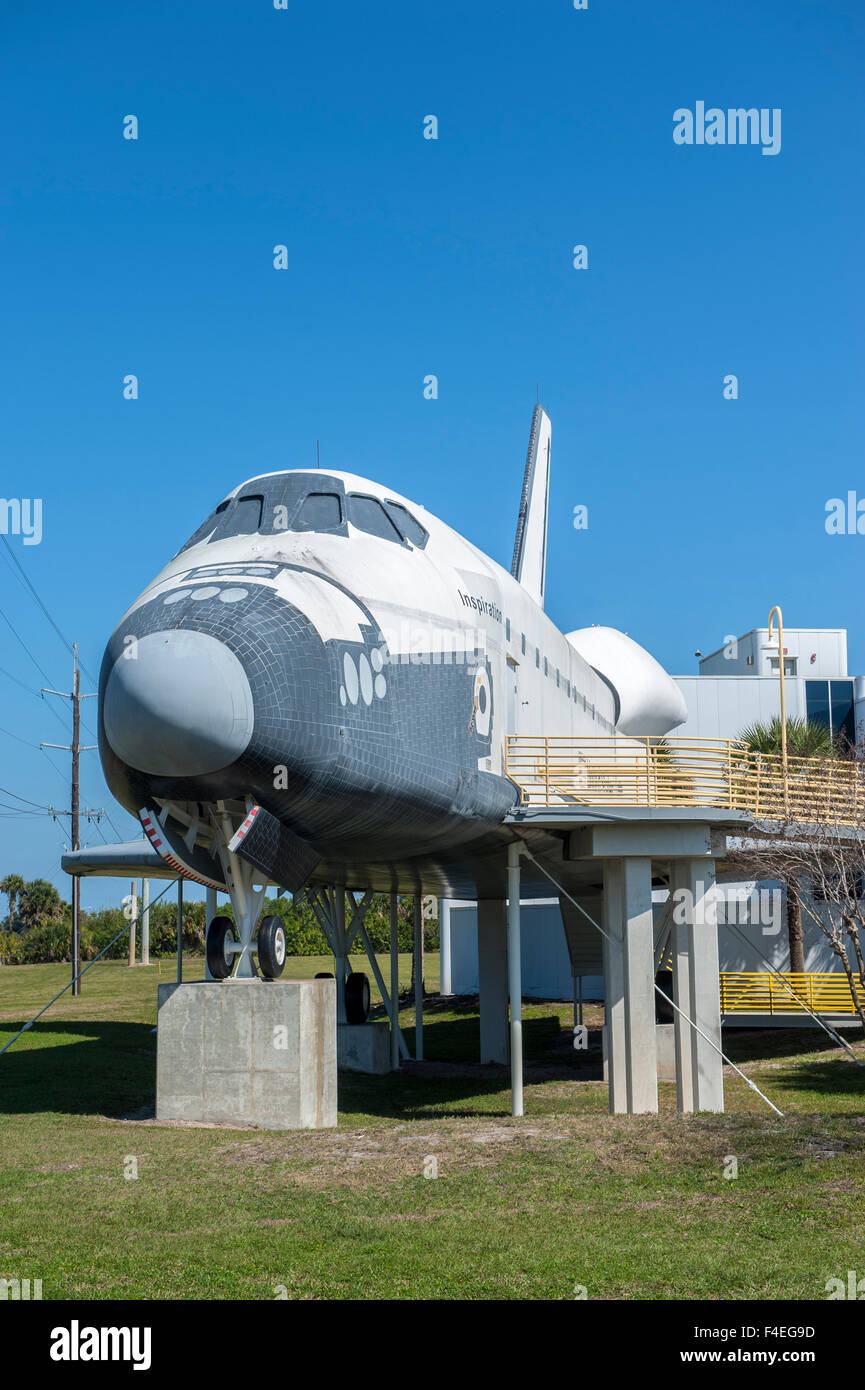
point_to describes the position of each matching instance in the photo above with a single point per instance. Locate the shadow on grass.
(78, 1068)
(109, 1068)
(836, 1077)
(766, 1044)
(451, 1078)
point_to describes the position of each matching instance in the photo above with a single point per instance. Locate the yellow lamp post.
(776, 612)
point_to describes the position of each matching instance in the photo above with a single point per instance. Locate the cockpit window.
(205, 528)
(241, 519)
(410, 528)
(319, 511)
(367, 514)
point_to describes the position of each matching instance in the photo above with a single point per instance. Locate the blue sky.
(408, 256)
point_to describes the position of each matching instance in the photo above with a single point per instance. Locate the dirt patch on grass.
(626, 1147)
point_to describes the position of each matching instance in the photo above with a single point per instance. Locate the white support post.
(629, 986)
(707, 1067)
(614, 986)
(145, 921)
(209, 914)
(394, 984)
(493, 978)
(418, 976)
(445, 986)
(696, 989)
(515, 979)
(640, 988)
(680, 879)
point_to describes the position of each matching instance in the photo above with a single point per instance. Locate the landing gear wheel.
(356, 998)
(220, 940)
(271, 947)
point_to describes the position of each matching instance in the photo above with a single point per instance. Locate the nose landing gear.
(229, 942)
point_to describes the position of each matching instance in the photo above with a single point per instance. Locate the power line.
(43, 673)
(28, 688)
(6, 792)
(65, 640)
(18, 739)
(35, 693)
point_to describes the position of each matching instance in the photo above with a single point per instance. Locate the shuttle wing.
(529, 564)
(132, 859)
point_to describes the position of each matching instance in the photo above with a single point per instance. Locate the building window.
(538, 657)
(831, 703)
(558, 677)
(817, 707)
(523, 643)
(546, 667)
(507, 629)
(789, 665)
(841, 700)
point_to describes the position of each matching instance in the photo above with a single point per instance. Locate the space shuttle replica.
(320, 687)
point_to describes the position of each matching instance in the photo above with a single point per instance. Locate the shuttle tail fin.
(530, 547)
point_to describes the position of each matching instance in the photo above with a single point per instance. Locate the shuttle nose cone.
(179, 704)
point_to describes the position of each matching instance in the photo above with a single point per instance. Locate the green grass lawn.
(629, 1207)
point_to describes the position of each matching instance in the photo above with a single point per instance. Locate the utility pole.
(74, 748)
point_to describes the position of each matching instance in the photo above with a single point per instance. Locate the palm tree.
(13, 885)
(39, 902)
(805, 739)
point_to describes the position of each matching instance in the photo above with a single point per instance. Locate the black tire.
(356, 998)
(663, 1011)
(271, 947)
(324, 975)
(220, 935)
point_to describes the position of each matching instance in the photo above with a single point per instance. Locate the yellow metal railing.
(745, 992)
(720, 773)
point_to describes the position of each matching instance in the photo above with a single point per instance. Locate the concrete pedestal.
(665, 1047)
(363, 1047)
(248, 1052)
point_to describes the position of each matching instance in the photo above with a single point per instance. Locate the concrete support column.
(493, 978)
(680, 883)
(640, 988)
(696, 940)
(629, 986)
(613, 917)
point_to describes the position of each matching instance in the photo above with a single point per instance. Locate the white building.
(738, 685)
